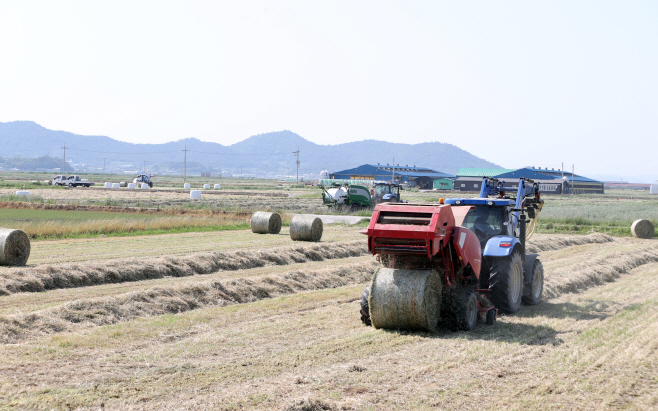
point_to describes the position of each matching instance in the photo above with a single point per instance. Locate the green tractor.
(345, 195)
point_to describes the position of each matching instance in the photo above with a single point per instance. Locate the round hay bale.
(23, 193)
(305, 228)
(14, 247)
(405, 299)
(187, 186)
(206, 186)
(145, 186)
(108, 185)
(217, 186)
(115, 185)
(123, 184)
(265, 223)
(643, 229)
(195, 195)
(131, 185)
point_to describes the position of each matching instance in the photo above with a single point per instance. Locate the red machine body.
(427, 230)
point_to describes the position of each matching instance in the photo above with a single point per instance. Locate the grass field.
(288, 337)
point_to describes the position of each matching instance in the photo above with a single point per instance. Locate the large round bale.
(108, 185)
(187, 186)
(643, 229)
(206, 186)
(217, 186)
(23, 193)
(145, 186)
(116, 185)
(405, 299)
(265, 223)
(305, 228)
(14, 247)
(123, 184)
(195, 195)
(131, 185)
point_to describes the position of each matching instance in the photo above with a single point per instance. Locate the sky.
(518, 83)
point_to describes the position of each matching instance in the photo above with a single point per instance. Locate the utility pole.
(64, 160)
(572, 170)
(185, 165)
(393, 170)
(297, 154)
(103, 166)
(144, 166)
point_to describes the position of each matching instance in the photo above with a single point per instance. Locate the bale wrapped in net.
(305, 228)
(14, 247)
(123, 184)
(265, 223)
(643, 229)
(405, 299)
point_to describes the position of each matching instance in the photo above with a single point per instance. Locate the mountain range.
(270, 150)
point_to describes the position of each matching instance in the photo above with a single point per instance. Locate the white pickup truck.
(76, 181)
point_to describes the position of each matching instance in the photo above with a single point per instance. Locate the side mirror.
(531, 212)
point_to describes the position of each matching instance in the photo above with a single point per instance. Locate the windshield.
(485, 221)
(382, 189)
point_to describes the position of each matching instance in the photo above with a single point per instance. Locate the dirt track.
(257, 338)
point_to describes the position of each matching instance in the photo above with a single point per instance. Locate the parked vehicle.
(76, 181)
(59, 181)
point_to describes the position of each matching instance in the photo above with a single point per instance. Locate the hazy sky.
(515, 82)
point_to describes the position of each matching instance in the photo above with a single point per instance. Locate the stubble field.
(232, 320)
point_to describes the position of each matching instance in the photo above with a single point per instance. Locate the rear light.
(505, 243)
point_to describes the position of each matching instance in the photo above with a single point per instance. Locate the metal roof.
(482, 172)
(380, 170)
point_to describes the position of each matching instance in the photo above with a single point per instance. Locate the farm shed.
(415, 176)
(444, 184)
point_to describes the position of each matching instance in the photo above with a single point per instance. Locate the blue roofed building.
(420, 177)
(550, 181)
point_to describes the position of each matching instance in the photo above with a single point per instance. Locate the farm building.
(444, 184)
(550, 181)
(415, 176)
(482, 172)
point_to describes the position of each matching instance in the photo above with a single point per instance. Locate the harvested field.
(288, 336)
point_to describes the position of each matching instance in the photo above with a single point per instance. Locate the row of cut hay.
(167, 300)
(50, 277)
(63, 229)
(597, 272)
(539, 243)
(130, 210)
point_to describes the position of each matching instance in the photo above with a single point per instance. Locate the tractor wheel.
(365, 310)
(534, 285)
(355, 207)
(506, 282)
(491, 317)
(150, 184)
(464, 310)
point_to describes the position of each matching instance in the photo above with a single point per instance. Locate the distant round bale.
(206, 186)
(265, 223)
(14, 247)
(23, 193)
(195, 195)
(217, 186)
(305, 228)
(187, 186)
(131, 185)
(643, 229)
(144, 186)
(123, 184)
(108, 185)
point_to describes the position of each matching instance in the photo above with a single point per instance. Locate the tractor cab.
(387, 192)
(487, 218)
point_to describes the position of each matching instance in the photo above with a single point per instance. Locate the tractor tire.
(150, 184)
(534, 285)
(365, 309)
(491, 317)
(464, 310)
(506, 282)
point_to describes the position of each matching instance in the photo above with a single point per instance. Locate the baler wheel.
(491, 317)
(464, 310)
(355, 207)
(506, 282)
(532, 290)
(365, 310)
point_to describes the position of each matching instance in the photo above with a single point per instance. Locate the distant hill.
(271, 150)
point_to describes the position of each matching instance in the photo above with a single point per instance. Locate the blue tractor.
(503, 218)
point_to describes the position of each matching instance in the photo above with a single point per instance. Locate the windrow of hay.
(266, 223)
(14, 247)
(117, 209)
(167, 300)
(538, 244)
(49, 277)
(597, 272)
